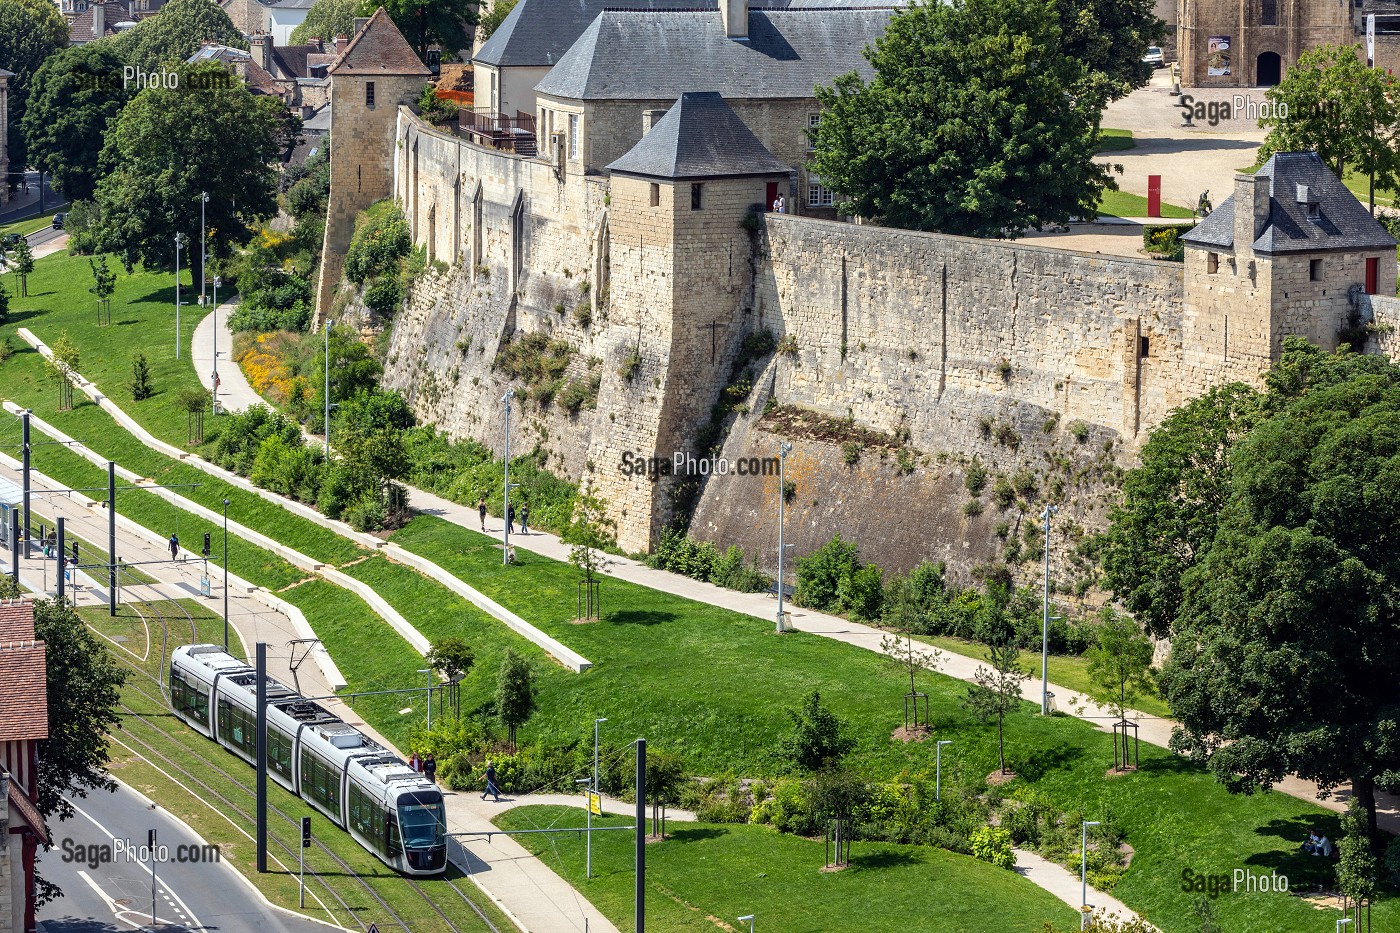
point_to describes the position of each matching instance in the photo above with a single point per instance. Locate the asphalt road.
(193, 893)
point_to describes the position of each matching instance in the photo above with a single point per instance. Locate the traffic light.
(75, 552)
(206, 544)
(306, 832)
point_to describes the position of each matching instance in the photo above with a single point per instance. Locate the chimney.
(340, 43)
(359, 24)
(735, 14)
(650, 118)
(99, 19)
(260, 48)
(1251, 209)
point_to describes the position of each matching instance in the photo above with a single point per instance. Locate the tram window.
(188, 699)
(279, 752)
(320, 782)
(362, 812)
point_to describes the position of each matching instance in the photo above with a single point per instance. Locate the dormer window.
(1314, 212)
(1312, 203)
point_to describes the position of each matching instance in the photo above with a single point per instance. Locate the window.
(573, 136)
(1268, 13)
(321, 783)
(655, 195)
(369, 93)
(1142, 348)
(189, 700)
(696, 191)
(1212, 263)
(279, 752)
(1315, 270)
(817, 194)
(238, 728)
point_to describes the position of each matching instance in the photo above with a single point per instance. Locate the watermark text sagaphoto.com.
(125, 850)
(1240, 106)
(1239, 881)
(683, 464)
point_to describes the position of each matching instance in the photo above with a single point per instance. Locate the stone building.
(88, 22)
(1251, 43)
(276, 18)
(24, 723)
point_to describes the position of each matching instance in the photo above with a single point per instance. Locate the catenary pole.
(24, 424)
(262, 754)
(640, 892)
(112, 537)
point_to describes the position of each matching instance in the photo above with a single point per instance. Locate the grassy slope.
(723, 872)
(32, 224)
(1126, 204)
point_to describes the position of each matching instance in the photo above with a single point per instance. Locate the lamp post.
(215, 405)
(588, 864)
(179, 237)
(327, 390)
(1084, 873)
(203, 246)
(938, 769)
(429, 672)
(783, 450)
(505, 486)
(1045, 620)
(1344, 922)
(749, 918)
(225, 574)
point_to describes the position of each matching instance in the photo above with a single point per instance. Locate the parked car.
(58, 221)
(1154, 57)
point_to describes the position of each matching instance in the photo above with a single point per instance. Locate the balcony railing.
(511, 134)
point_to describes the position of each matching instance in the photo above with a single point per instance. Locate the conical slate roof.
(700, 137)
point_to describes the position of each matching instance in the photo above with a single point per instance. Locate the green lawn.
(704, 874)
(32, 224)
(1126, 204)
(1111, 140)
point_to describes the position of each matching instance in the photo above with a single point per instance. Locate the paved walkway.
(1064, 884)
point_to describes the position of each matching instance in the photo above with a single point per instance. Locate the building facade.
(24, 724)
(1252, 43)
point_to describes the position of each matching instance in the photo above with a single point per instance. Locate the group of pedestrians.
(426, 766)
(510, 516)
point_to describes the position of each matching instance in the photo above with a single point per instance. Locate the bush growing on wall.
(380, 242)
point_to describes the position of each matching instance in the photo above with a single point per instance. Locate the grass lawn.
(1360, 185)
(1070, 671)
(32, 224)
(1126, 204)
(1111, 140)
(703, 875)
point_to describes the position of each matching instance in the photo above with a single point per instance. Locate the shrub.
(366, 513)
(384, 295)
(630, 364)
(1024, 483)
(379, 244)
(1079, 430)
(787, 810)
(819, 737)
(850, 452)
(975, 479)
(972, 507)
(247, 317)
(140, 386)
(819, 574)
(1003, 494)
(861, 593)
(993, 844)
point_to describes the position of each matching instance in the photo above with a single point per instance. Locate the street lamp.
(429, 672)
(749, 918)
(588, 865)
(217, 282)
(505, 486)
(225, 574)
(1045, 620)
(203, 244)
(1345, 921)
(327, 391)
(783, 450)
(179, 241)
(1084, 873)
(938, 769)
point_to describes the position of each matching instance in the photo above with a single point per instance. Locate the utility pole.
(62, 561)
(1045, 620)
(588, 863)
(214, 404)
(505, 492)
(178, 237)
(640, 893)
(24, 424)
(262, 755)
(112, 538)
(151, 854)
(783, 450)
(225, 574)
(14, 548)
(203, 248)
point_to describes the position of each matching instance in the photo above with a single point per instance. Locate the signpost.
(305, 842)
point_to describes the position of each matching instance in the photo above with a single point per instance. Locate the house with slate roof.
(24, 723)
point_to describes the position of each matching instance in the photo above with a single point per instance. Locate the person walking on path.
(413, 762)
(491, 787)
(525, 519)
(510, 517)
(481, 510)
(430, 767)
(174, 546)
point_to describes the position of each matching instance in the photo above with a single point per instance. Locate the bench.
(788, 591)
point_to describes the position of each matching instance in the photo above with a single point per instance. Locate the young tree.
(902, 612)
(4, 306)
(591, 530)
(194, 402)
(140, 378)
(22, 261)
(168, 146)
(976, 122)
(327, 19)
(996, 690)
(1119, 666)
(515, 693)
(451, 657)
(30, 32)
(819, 737)
(1358, 869)
(104, 282)
(163, 41)
(76, 93)
(64, 360)
(665, 777)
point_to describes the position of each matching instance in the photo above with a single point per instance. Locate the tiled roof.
(699, 137)
(633, 55)
(24, 709)
(1343, 222)
(80, 28)
(379, 49)
(16, 620)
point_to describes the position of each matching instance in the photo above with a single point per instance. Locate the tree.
(23, 263)
(30, 31)
(1332, 103)
(447, 24)
(996, 691)
(194, 402)
(104, 282)
(1358, 869)
(163, 41)
(492, 19)
(77, 92)
(4, 306)
(354, 370)
(451, 657)
(515, 693)
(1109, 37)
(1119, 666)
(140, 378)
(83, 692)
(1286, 633)
(167, 147)
(819, 737)
(591, 530)
(971, 124)
(327, 19)
(665, 778)
(64, 359)
(902, 612)
(820, 573)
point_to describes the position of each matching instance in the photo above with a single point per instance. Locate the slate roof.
(379, 49)
(288, 4)
(635, 55)
(700, 137)
(1345, 223)
(537, 33)
(24, 709)
(6, 74)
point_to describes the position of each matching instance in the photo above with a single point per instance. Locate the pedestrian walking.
(481, 510)
(525, 519)
(430, 767)
(174, 547)
(414, 763)
(491, 787)
(510, 517)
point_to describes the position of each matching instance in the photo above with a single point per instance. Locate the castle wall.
(1382, 312)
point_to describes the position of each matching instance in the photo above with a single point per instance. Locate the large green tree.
(1332, 103)
(327, 19)
(447, 24)
(976, 122)
(168, 146)
(76, 93)
(30, 31)
(176, 34)
(1110, 37)
(1286, 631)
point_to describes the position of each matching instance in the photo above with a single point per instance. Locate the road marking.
(117, 912)
(144, 867)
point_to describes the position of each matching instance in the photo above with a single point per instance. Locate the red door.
(771, 196)
(1372, 274)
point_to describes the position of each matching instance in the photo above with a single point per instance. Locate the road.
(196, 894)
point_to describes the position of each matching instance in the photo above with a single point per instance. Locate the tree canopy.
(1283, 603)
(515, 692)
(491, 20)
(327, 19)
(76, 93)
(1110, 37)
(448, 24)
(976, 122)
(30, 31)
(209, 134)
(176, 34)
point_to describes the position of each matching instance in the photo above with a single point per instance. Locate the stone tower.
(692, 180)
(1251, 43)
(1290, 252)
(377, 72)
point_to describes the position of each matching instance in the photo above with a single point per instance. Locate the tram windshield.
(422, 820)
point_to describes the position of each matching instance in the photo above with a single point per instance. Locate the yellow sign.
(595, 804)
